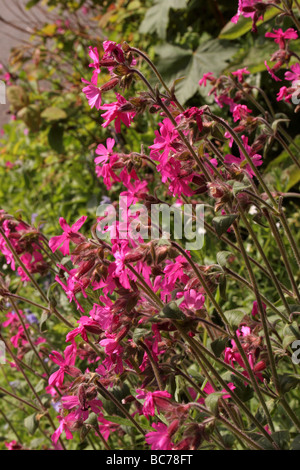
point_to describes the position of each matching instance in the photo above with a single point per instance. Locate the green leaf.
(288, 382)
(223, 287)
(284, 155)
(17, 97)
(290, 333)
(31, 116)
(29, 357)
(92, 420)
(175, 62)
(244, 392)
(125, 422)
(222, 257)
(40, 386)
(43, 320)
(239, 186)
(223, 222)
(235, 317)
(157, 17)
(212, 402)
(31, 423)
(218, 346)
(282, 439)
(296, 443)
(171, 310)
(139, 333)
(55, 138)
(119, 392)
(292, 175)
(244, 25)
(53, 114)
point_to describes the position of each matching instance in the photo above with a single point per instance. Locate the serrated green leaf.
(175, 62)
(157, 17)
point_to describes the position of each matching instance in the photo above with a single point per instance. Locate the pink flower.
(158, 399)
(239, 161)
(240, 111)
(82, 406)
(93, 93)
(13, 445)
(165, 139)
(86, 325)
(294, 75)
(106, 427)
(271, 72)
(159, 439)
(255, 310)
(66, 365)
(240, 73)
(114, 112)
(248, 9)
(94, 55)
(103, 314)
(207, 76)
(208, 389)
(284, 94)
(73, 286)
(280, 36)
(193, 300)
(113, 51)
(103, 152)
(135, 192)
(70, 233)
(63, 426)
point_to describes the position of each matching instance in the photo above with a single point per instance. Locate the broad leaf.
(244, 25)
(157, 17)
(223, 222)
(175, 62)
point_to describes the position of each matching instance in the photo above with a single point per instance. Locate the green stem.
(20, 262)
(104, 392)
(233, 395)
(11, 426)
(267, 263)
(283, 254)
(153, 364)
(240, 144)
(31, 405)
(260, 307)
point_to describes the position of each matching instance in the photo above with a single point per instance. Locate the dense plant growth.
(121, 332)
